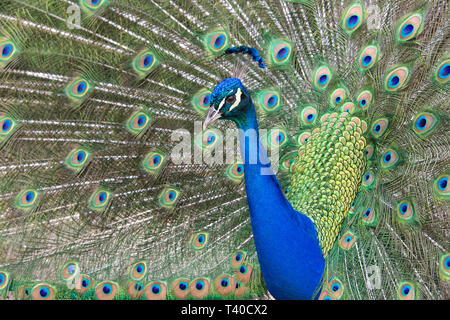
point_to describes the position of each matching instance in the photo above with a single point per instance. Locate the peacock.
(224, 149)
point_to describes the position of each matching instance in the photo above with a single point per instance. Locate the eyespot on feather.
(180, 288)
(238, 258)
(23, 292)
(43, 291)
(216, 42)
(368, 57)
(441, 186)
(347, 240)
(369, 151)
(352, 18)
(352, 207)
(336, 288)
(153, 161)
(4, 280)
(396, 79)
(322, 77)
(201, 101)
(78, 89)
(243, 272)
(304, 137)
(138, 122)
(379, 127)
(442, 73)
(287, 161)
(309, 115)
(138, 270)
(337, 97)
(156, 290)
(235, 172)
(389, 159)
(7, 126)
(444, 267)
(106, 290)
(364, 99)
(8, 50)
(369, 216)
(93, 5)
(199, 240)
(406, 291)
(424, 123)
(77, 159)
(410, 26)
(135, 289)
(348, 107)
(70, 270)
(199, 288)
(368, 180)
(99, 200)
(405, 211)
(209, 138)
(225, 285)
(277, 137)
(269, 100)
(84, 283)
(240, 290)
(325, 295)
(169, 197)
(27, 199)
(280, 52)
(144, 62)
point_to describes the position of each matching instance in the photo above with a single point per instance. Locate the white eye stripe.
(238, 99)
(235, 104)
(221, 104)
(223, 100)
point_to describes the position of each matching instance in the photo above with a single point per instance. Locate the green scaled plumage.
(107, 186)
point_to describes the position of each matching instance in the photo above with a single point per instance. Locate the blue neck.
(286, 241)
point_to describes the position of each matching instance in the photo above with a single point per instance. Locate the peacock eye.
(230, 99)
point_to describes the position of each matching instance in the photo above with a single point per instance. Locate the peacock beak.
(211, 117)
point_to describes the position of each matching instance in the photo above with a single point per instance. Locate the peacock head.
(229, 100)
